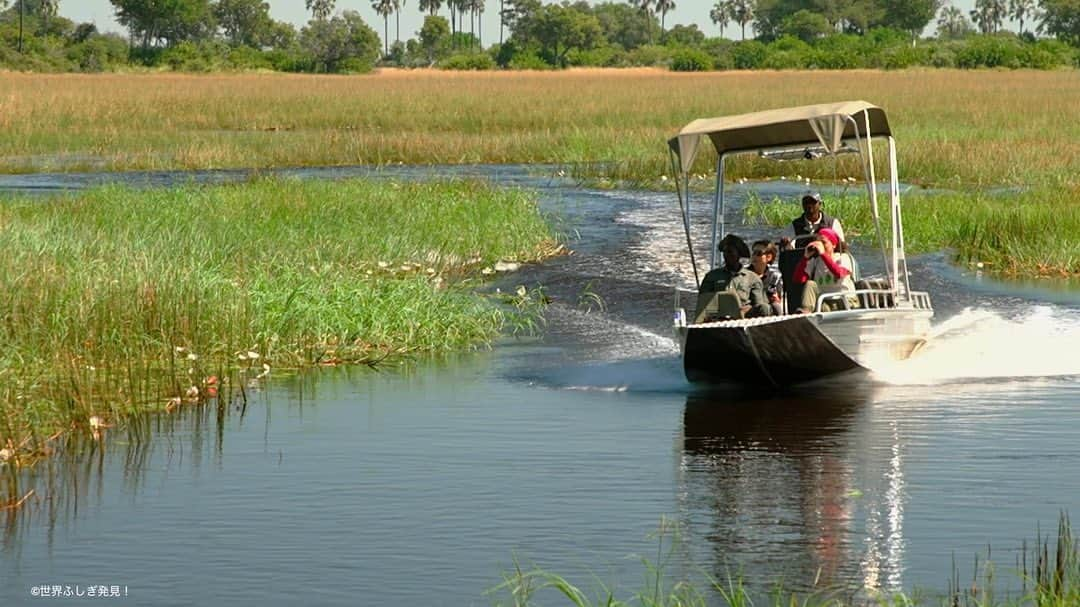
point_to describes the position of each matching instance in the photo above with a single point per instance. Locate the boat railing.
(859, 299)
(871, 299)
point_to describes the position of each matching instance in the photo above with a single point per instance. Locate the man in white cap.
(814, 219)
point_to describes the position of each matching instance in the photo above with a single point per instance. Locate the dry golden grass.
(970, 127)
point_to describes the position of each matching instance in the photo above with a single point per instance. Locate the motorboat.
(881, 321)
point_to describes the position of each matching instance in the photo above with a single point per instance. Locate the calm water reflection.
(419, 486)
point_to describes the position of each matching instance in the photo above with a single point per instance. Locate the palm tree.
(453, 6)
(477, 7)
(662, 7)
(397, 5)
(988, 15)
(383, 8)
(320, 9)
(1019, 9)
(951, 22)
(431, 6)
(721, 14)
(742, 11)
(48, 9)
(646, 7)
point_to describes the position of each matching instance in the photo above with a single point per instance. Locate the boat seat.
(717, 305)
(874, 300)
(792, 291)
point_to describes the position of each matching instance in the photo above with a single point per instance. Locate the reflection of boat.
(883, 320)
(803, 486)
(803, 424)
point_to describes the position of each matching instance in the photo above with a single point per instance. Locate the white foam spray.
(1043, 342)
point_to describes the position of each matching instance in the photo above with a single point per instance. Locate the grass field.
(959, 128)
(119, 301)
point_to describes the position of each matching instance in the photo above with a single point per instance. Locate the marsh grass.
(1033, 234)
(1049, 575)
(117, 301)
(956, 127)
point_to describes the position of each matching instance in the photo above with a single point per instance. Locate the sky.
(102, 14)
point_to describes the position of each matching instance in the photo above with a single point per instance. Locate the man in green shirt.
(732, 276)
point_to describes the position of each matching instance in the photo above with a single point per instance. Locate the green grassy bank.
(1028, 234)
(117, 301)
(1047, 574)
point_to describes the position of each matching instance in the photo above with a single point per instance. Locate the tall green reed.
(118, 300)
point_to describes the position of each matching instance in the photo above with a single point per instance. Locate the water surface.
(420, 485)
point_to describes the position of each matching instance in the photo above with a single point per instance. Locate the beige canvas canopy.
(827, 124)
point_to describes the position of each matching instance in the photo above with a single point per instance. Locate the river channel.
(422, 485)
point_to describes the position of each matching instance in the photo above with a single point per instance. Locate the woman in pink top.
(824, 270)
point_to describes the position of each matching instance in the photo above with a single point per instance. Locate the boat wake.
(981, 344)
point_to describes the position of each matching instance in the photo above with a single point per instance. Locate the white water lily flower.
(192, 356)
(383, 265)
(180, 349)
(192, 392)
(487, 271)
(252, 355)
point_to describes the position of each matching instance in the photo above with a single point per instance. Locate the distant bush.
(691, 60)
(649, 55)
(603, 56)
(1049, 54)
(989, 51)
(247, 58)
(749, 54)
(195, 57)
(470, 61)
(529, 61)
(900, 57)
(98, 53)
(942, 54)
(719, 49)
(785, 60)
(840, 52)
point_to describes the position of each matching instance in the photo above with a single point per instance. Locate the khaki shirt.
(744, 283)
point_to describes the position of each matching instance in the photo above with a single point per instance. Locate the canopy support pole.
(894, 194)
(684, 208)
(718, 210)
(871, 184)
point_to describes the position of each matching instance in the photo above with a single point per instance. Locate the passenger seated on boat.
(824, 269)
(813, 220)
(734, 278)
(763, 263)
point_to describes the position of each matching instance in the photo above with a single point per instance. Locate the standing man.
(814, 218)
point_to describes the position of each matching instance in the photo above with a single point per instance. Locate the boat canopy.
(827, 124)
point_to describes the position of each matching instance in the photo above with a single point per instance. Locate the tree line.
(203, 35)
